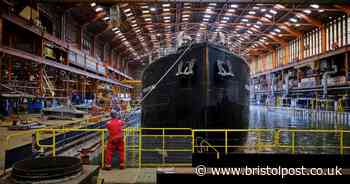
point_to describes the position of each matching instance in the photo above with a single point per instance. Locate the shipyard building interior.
(122, 91)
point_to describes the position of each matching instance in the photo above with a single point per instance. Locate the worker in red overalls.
(115, 140)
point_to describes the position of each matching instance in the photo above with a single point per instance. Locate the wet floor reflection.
(305, 142)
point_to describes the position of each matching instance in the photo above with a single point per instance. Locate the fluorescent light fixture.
(279, 6)
(263, 10)
(166, 9)
(115, 28)
(205, 20)
(256, 26)
(212, 4)
(277, 30)
(123, 39)
(320, 10)
(268, 16)
(166, 5)
(234, 6)
(166, 17)
(167, 21)
(293, 20)
(117, 32)
(224, 21)
(248, 24)
(98, 9)
(228, 14)
(134, 25)
(280, 35)
(255, 8)
(207, 16)
(153, 9)
(93, 4)
(297, 25)
(307, 11)
(316, 6)
(185, 19)
(245, 20)
(148, 19)
(251, 12)
(231, 10)
(145, 11)
(260, 23)
(145, 7)
(136, 31)
(249, 32)
(106, 18)
(273, 33)
(226, 18)
(127, 10)
(273, 11)
(129, 14)
(185, 15)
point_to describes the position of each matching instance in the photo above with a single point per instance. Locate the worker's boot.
(107, 167)
(122, 166)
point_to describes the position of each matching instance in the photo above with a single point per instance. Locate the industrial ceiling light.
(185, 15)
(293, 20)
(256, 26)
(153, 9)
(273, 11)
(205, 20)
(258, 22)
(212, 4)
(133, 25)
(279, 6)
(307, 11)
(316, 6)
(273, 33)
(148, 19)
(256, 8)
(127, 10)
(228, 14)
(234, 6)
(185, 19)
(93, 4)
(245, 20)
(166, 5)
(166, 9)
(207, 16)
(248, 24)
(129, 14)
(106, 18)
(167, 17)
(251, 12)
(268, 16)
(166, 21)
(297, 25)
(145, 11)
(231, 10)
(277, 30)
(263, 10)
(145, 7)
(115, 29)
(98, 9)
(320, 10)
(226, 18)
(224, 21)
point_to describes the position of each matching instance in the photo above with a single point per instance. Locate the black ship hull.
(207, 89)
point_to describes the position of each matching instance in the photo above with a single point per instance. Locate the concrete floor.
(136, 175)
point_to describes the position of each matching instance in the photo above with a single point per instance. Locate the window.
(331, 36)
(327, 37)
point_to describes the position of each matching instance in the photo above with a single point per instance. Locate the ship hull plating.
(207, 89)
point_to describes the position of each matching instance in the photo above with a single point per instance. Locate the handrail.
(138, 136)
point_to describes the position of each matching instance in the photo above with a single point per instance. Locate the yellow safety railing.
(135, 138)
(53, 146)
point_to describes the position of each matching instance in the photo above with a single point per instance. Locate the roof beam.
(309, 19)
(344, 8)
